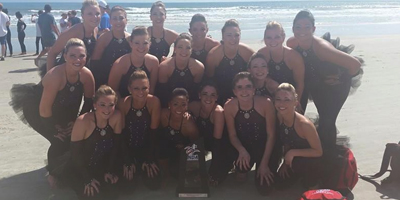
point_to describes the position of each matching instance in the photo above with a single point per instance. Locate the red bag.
(345, 175)
(322, 194)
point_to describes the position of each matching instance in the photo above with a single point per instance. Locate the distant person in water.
(21, 26)
(72, 18)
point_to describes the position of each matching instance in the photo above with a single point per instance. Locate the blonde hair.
(104, 90)
(274, 25)
(87, 3)
(287, 87)
(74, 42)
(138, 75)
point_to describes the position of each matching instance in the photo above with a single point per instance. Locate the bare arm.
(163, 72)
(327, 52)
(245, 51)
(101, 44)
(116, 73)
(80, 128)
(199, 72)
(230, 123)
(153, 66)
(219, 122)
(296, 63)
(212, 62)
(155, 113)
(88, 83)
(50, 89)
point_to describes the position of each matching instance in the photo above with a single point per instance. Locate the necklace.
(103, 132)
(120, 40)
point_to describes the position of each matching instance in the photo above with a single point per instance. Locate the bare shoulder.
(54, 75)
(245, 47)
(231, 106)
(292, 42)
(151, 59)
(116, 116)
(170, 36)
(264, 51)
(292, 54)
(195, 63)
(153, 100)
(211, 43)
(304, 123)
(105, 38)
(216, 50)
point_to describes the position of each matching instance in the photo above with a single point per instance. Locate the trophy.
(193, 178)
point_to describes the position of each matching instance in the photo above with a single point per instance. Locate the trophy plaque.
(193, 178)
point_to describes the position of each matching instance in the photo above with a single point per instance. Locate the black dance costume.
(307, 168)
(224, 74)
(159, 46)
(172, 141)
(139, 144)
(280, 72)
(123, 85)
(200, 55)
(328, 99)
(27, 97)
(264, 92)
(91, 159)
(220, 165)
(178, 79)
(114, 50)
(252, 132)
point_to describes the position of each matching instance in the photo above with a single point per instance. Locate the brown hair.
(137, 75)
(116, 9)
(287, 87)
(87, 3)
(254, 56)
(183, 36)
(104, 90)
(274, 25)
(179, 92)
(304, 14)
(158, 4)
(74, 42)
(138, 31)
(230, 23)
(197, 18)
(242, 75)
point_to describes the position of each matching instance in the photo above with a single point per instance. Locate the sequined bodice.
(312, 63)
(181, 79)
(250, 127)
(224, 74)
(137, 125)
(280, 72)
(263, 92)
(159, 47)
(291, 139)
(206, 130)
(115, 49)
(200, 55)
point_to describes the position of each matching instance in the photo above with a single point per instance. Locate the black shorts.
(48, 41)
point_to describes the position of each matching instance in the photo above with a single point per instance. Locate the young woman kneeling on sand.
(302, 147)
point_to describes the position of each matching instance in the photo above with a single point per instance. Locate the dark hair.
(5, 10)
(208, 83)
(74, 42)
(116, 9)
(183, 36)
(47, 8)
(254, 56)
(1, 6)
(305, 14)
(104, 90)
(18, 15)
(138, 31)
(158, 4)
(137, 75)
(73, 12)
(179, 92)
(242, 75)
(230, 23)
(40, 12)
(197, 18)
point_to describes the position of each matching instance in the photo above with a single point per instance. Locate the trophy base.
(205, 195)
(193, 192)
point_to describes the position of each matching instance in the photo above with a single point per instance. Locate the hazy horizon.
(171, 1)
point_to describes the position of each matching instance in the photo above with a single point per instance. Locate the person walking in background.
(49, 30)
(63, 22)
(72, 19)
(21, 26)
(4, 22)
(34, 19)
(105, 25)
(8, 38)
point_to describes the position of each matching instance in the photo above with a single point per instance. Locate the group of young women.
(146, 106)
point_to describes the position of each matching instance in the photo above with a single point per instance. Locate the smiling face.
(139, 89)
(140, 45)
(118, 20)
(303, 29)
(91, 16)
(183, 49)
(231, 36)
(208, 95)
(178, 106)
(274, 38)
(258, 69)
(198, 30)
(285, 102)
(105, 106)
(75, 57)
(158, 16)
(244, 89)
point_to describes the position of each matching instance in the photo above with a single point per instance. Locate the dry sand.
(370, 117)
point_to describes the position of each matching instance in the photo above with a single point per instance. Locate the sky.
(144, 1)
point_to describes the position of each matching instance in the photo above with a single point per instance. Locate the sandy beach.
(370, 117)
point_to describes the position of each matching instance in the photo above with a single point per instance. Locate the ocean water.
(346, 18)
